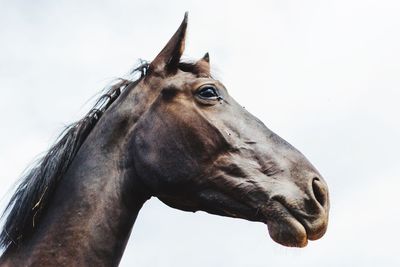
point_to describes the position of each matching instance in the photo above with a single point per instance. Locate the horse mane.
(39, 182)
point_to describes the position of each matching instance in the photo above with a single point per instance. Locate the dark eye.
(208, 92)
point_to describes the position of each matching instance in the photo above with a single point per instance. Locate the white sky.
(322, 74)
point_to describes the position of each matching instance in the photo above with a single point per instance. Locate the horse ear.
(168, 59)
(206, 58)
(203, 65)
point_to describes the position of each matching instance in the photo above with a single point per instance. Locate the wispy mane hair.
(38, 184)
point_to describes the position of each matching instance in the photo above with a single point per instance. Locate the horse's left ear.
(168, 59)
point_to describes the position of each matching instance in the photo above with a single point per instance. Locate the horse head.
(195, 148)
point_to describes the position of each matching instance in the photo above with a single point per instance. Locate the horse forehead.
(186, 80)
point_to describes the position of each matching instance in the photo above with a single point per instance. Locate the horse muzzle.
(298, 217)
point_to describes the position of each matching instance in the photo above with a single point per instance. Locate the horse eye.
(208, 92)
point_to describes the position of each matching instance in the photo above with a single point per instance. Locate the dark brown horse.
(176, 134)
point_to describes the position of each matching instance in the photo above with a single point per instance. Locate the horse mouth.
(291, 230)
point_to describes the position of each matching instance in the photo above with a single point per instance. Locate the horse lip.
(315, 229)
(285, 228)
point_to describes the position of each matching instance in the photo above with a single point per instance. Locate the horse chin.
(288, 232)
(283, 227)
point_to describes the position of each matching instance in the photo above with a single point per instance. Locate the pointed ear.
(168, 59)
(203, 65)
(206, 58)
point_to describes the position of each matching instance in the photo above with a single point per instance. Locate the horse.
(173, 133)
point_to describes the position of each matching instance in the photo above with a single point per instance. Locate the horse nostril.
(320, 192)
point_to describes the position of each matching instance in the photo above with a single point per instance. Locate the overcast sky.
(324, 75)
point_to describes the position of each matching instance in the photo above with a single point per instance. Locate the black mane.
(36, 187)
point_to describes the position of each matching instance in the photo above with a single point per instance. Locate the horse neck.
(89, 219)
